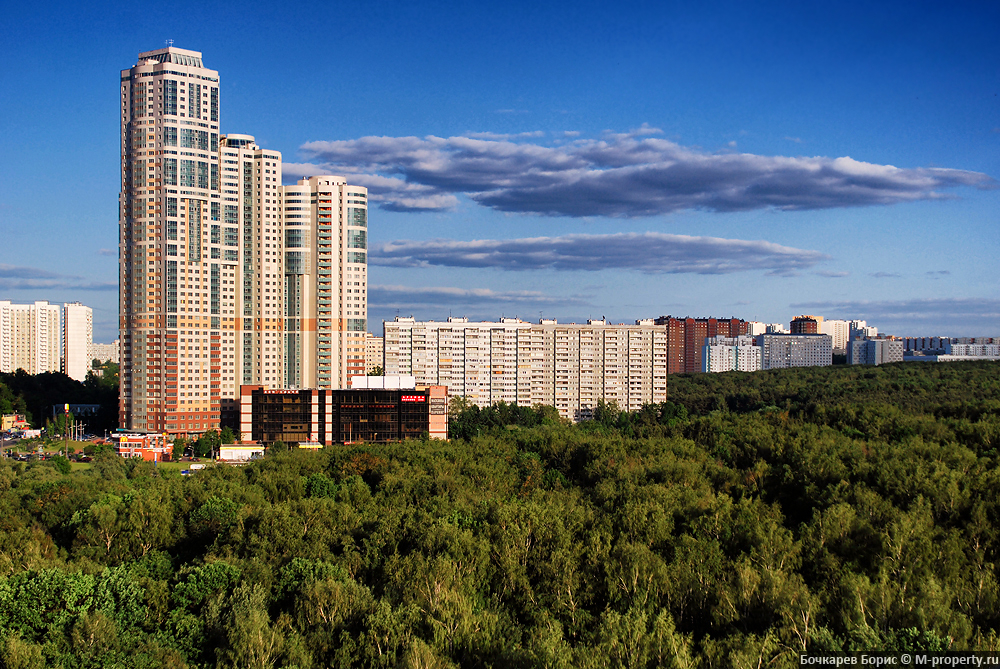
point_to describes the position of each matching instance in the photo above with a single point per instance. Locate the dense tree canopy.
(750, 517)
(36, 394)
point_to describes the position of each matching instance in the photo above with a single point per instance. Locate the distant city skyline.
(566, 160)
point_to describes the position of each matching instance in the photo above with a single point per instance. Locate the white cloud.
(620, 175)
(13, 277)
(651, 252)
(389, 296)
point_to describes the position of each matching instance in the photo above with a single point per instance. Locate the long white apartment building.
(105, 352)
(874, 351)
(569, 366)
(77, 336)
(973, 350)
(29, 337)
(207, 257)
(731, 354)
(779, 351)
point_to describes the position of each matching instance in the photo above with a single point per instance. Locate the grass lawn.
(54, 447)
(174, 466)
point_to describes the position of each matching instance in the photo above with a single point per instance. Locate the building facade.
(211, 287)
(569, 366)
(731, 354)
(326, 282)
(30, 337)
(686, 339)
(779, 351)
(840, 333)
(373, 352)
(105, 352)
(330, 416)
(875, 351)
(861, 330)
(77, 337)
(806, 325)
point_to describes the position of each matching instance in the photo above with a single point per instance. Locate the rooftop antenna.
(170, 42)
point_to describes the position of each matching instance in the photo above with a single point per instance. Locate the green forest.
(35, 395)
(749, 518)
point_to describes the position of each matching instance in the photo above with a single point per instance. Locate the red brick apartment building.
(686, 336)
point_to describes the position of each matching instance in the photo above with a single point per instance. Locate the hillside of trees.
(751, 517)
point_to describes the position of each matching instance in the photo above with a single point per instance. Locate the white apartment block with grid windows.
(373, 352)
(731, 354)
(29, 337)
(569, 366)
(779, 351)
(105, 352)
(840, 333)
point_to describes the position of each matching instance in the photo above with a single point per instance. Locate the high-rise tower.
(171, 267)
(326, 281)
(77, 336)
(251, 194)
(219, 286)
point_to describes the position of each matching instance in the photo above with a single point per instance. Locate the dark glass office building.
(325, 417)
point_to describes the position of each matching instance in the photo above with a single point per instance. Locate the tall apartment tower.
(171, 268)
(77, 336)
(252, 236)
(326, 282)
(219, 285)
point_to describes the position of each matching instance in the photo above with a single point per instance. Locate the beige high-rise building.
(326, 281)
(839, 331)
(171, 263)
(569, 366)
(77, 336)
(29, 337)
(252, 239)
(218, 288)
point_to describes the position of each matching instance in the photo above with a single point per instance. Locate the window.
(187, 173)
(170, 97)
(357, 239)
(170, 171)
(357, 217)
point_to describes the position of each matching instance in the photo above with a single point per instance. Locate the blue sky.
(571, 160)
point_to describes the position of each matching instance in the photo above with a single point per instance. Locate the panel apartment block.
(779, 351)
(731, 354)
(29, 337)
(569, 366)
